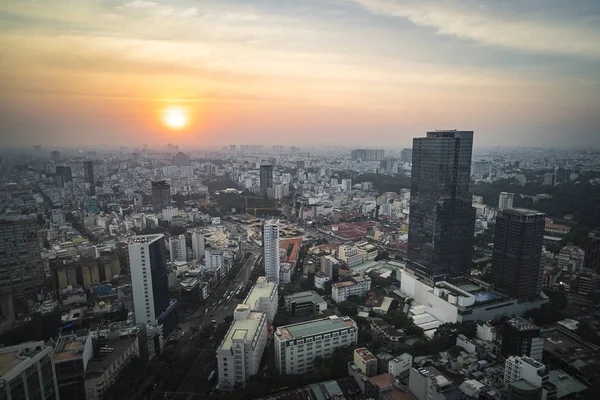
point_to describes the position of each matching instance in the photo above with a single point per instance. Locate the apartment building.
(264, 297)
(27, 372)
(367, 251)
(297, 345)
(365, 361)
(358, 286)
(240, 352)
(349, 255)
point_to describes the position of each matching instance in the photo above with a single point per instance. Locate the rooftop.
(383, 380)
(307, 296)
(144, 239)
(11, 357)
(522, 384)
(69, 347)
(522, 324)
(565, 384)
(523, 212)
(262, 288)
(241, 329)
(100, 364)
(365, 354)
(315, 327)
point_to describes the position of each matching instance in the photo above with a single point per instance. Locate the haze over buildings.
(370, 71)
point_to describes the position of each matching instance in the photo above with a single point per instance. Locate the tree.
(355, 299)
(348, 309)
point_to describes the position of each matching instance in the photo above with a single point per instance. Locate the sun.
(175, 118)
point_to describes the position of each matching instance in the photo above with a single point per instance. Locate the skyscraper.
(505, 200)
(442, 219)
(522, 338)
(177, 248)
(149, 279)
(88, 172)
(63, 175)
(271, 249)
(266, 178)
(516, 260)
(161, 195)
(21, 268)
(198, 245)
(181, 159)
(592, 251)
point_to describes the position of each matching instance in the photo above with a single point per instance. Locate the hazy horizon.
(355, 73)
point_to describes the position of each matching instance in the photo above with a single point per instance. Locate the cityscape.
(285, 200)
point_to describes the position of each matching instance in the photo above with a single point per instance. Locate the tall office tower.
(442, 218)
(64, 173)
(22, 274)
(181, 159)
(271, 249)
(55, 156)
(149, 278)
(177, 248)
(161, 195)
(88, 172)
(592, 252)
(266, 178)
(346, 185)
(505, 200)
(517, 256)
(198, 245)
(406, 155)
(522, 338)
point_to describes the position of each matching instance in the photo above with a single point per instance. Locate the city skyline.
(314, 72)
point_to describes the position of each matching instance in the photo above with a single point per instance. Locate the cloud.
(492, 27)
(157, 10)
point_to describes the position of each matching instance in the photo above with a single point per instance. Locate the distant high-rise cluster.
(161, 195)
(367, 154)
(442, 218)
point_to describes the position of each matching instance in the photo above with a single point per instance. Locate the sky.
(299, 72)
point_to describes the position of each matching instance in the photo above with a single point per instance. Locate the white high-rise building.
(271, 249)
(198, 245)
(505, 201)
(347, 185)
(525, 368)
(297, 345)
(263, 297)
(149, 281)
(239, 355)
(177, 248)
(214, 260)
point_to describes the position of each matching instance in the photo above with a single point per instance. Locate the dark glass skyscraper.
(88, 172)
(266, 178)
(161, 195)
(442, 218)
(517, 257)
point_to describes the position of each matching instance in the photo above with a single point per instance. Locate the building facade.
(27, 372)
(266, 178)
(149, 277)
(365, 361)
(22, 275)
(592, 252)
(367, 154)
(505, 200)
(270, 247)
(517, 256)
(442, 219)
(305, 303)
(522, 338)
(358, 286)
(240, 352)
(177, 249)
(264, 297)
(198, 245)
(297, 345)
(214, 261)
(88, 172)
(161, 196)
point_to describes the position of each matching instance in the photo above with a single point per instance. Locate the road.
(217, 312)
